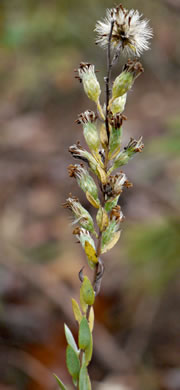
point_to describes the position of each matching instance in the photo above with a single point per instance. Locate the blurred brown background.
(137, 332)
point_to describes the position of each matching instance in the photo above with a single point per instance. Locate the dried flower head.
(130, 32)
(116, 121)
(116, 183)
(134, 146)
(86, 117)
(117, 214)
(85, 181)
(79, 152)
(81, 214)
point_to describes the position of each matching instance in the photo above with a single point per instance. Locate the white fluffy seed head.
(130, 32)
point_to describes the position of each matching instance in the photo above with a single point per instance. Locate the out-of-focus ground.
(137, 331)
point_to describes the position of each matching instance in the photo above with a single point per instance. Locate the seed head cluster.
(130, 32)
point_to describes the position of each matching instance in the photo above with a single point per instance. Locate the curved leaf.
(70, 338)
(84, 381)
(87, 291)
(60, 383)
(76, 311)
(84, 334)
(72, 361)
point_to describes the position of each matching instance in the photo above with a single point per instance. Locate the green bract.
(122, 84)
(91, 136)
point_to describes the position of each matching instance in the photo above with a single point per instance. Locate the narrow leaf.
(89, 384)
(89, 351)
(70, 338)
(76, 311)
(113, 242)
(83, 379)
(84, 306)
(84, 334)
(72, 362)
(87, 291)
(91, 319)
(90, 252)
(102, 174)
(92, 200)
(75, 381)
(60, 383)
(102, 219)
(103, 136)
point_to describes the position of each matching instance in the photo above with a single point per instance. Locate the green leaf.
(70, 338)
(75, 381)
(88, 351)
(84, 334)
(90, 252)
(91, 319)
(89, 384)
(84, 381)
(76, 311)
(87, 291)
(60, 383)
(72, 362)
(84, 306)
(111, 243)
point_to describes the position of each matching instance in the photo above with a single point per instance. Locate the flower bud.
(134, 146)
(88, 119)
(116, 122)
(83, 235)
(129, 151)
(84, 180)
(113, 189)
(112, 233)
(79, 152)
(81, 214)
(125, 80)
(110, 236)
(90, 83)
(117, 106)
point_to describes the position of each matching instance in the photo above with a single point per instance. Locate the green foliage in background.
(154, 252)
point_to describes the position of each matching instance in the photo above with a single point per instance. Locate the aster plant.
(121, 32)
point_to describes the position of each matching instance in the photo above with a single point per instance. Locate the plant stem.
(107, 80)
